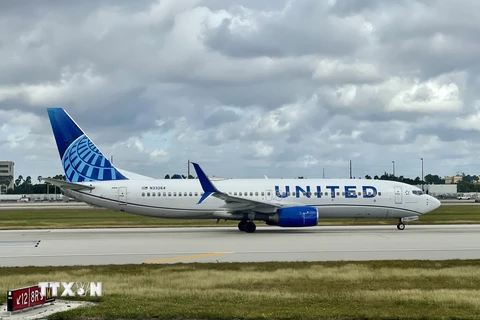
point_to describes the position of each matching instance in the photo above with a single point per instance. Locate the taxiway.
(227, 244)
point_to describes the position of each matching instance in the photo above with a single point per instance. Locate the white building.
(7, 174)
(440, 189)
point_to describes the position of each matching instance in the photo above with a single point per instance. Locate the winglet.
(207, 185)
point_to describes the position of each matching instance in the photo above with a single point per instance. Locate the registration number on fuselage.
(154, 188)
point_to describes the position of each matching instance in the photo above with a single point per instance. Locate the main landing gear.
(400, 226)
(247, 226)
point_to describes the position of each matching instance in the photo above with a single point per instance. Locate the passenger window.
(268, 193)
(240, 194)
(338, 193)
(256, 193)
(379, 193)
(234, 193)
(143, 194)
(190, 194)
(196, 194)
(169, 194)
(359, 193)
(251, 194)
(148, 194)
(343, 193)
(179, 194)
(263, 193)
(153, 194)
(164, 194)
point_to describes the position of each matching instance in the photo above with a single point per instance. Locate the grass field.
(313, 290)
(89, 218)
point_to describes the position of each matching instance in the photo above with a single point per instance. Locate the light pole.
(422, 173)
(393, 163)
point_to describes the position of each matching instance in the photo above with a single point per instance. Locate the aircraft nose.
(435, 203)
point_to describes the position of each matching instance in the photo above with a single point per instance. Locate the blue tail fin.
(81, 159)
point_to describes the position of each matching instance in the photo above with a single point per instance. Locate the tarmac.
(43, 205)
(226, 244)
(42, 312)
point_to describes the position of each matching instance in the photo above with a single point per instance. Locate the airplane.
(92, 178)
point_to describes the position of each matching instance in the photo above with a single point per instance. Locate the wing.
(67, 185)
(233, 203)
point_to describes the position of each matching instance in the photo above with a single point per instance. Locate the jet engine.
(302, 216)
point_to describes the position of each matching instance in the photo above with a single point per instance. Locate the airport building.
(7, 174)
(436, 190)
(453, 179)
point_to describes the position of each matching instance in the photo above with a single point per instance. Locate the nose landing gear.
(401, 225)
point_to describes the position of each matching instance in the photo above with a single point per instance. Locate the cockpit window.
(417, 192)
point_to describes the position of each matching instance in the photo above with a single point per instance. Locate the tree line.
(468, 183)
(26, 186)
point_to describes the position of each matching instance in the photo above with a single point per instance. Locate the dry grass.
(339, 290)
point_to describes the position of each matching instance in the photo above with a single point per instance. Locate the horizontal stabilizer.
(67, 185)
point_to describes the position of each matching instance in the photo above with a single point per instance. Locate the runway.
(43, 205)
(226, 244)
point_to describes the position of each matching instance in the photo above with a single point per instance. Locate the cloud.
(263, 87)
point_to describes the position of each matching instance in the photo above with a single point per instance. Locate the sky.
(245, 88)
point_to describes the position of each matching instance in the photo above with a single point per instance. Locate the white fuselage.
(178, 198)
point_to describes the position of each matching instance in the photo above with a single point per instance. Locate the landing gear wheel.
(400, 226)
(242, 225)
(250, 227)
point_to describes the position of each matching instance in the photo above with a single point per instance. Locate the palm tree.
(19, 180)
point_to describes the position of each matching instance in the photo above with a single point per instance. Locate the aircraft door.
(122, 195)
(398, 195)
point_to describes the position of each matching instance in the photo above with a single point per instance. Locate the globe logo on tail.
(83, 161)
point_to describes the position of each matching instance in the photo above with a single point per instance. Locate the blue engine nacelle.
(294, 217)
